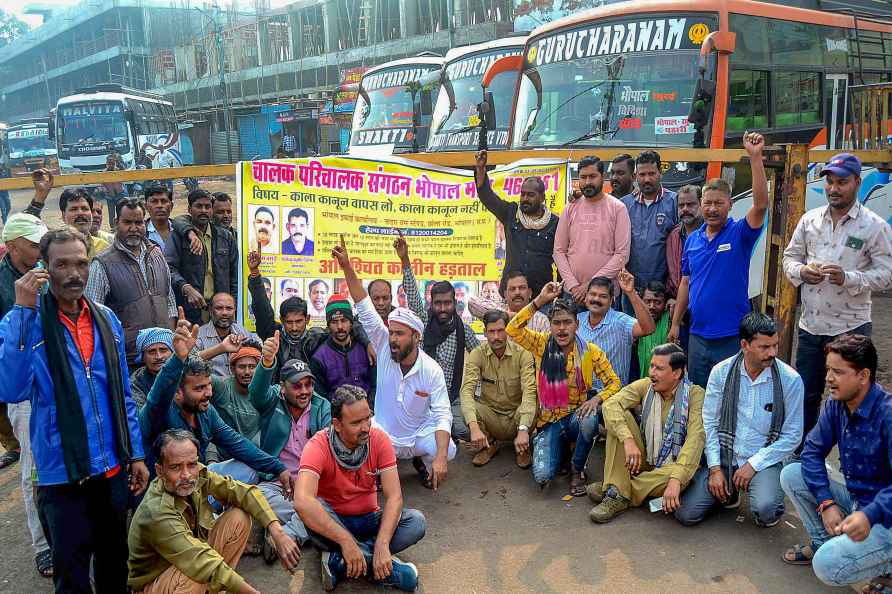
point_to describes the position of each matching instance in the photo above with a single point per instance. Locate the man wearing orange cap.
(230, 394)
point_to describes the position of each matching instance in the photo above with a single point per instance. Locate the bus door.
(836, 89)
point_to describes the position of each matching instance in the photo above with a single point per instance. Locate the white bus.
(29, 146)
(388, 119)
(455, 124)
(140, 127)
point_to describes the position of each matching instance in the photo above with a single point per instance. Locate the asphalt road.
(492, 530)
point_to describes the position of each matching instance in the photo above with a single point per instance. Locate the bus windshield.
(455, 114)
(622, 82)
(93, 123)
(384, 107)
(29, 140)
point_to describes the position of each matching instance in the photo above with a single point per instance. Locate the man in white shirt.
(411, 403)
(839, 254)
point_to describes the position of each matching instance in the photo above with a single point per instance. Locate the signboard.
(297, 209)
(293, 115)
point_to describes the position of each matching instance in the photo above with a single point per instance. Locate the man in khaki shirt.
(504, 374)
(661, 456)
(176, 546)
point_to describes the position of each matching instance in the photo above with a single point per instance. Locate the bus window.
(752, 39)
(748, 106)
(797, 98)
(794, 44)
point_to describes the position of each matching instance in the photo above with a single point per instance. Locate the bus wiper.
(593, 134)
(612, 76)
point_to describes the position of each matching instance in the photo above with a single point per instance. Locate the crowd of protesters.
(158, 438)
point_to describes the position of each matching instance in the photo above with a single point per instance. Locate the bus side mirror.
(703, 98)
(51, 129)
(506, 64)
(486, 111)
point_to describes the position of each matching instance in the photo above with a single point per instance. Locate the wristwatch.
(523, 428)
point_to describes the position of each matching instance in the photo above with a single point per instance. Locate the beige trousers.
(229, 536)
(650, 482)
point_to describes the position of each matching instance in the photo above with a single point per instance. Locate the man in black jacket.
(529, 228)
(197, 277)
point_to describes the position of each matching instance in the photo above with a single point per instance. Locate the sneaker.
(608, 509)
(485, 455)
(333, 569)
(524, 460)
(595, 492)
(404, 576)
(10, 458)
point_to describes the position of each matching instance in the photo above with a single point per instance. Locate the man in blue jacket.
(65, 354)
(180, 398)
(290, 414)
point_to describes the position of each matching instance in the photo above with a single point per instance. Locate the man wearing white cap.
(21, 234)
(411, 402)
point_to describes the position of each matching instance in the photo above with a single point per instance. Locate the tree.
(11, 27)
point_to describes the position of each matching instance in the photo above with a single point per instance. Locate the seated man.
(849, 525)
(337, 498)
(176, 545)
(181, 399)
(655, 299)
(660, 457)
(612, 330)
(290, 414)
(517, 296)
(504, 376)
(154, 346)
(752, 415)
(341, 359)
(565, 366)
(412, 404)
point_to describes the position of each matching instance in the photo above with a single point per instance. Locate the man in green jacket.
(175, 543)
(290, 414)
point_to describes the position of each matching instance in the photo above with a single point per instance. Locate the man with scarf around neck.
(177, 545)
(753, 418)
(594, 234)
(336, 496)
(221, 308)
(412, 404)
(530, 228)
(181, 399)
(446, 338)
(517, 296)
(66, 355)
(341, 359)
(849, 523)
(290, 414)
(565, 367)
(296, 341)
(660, 456)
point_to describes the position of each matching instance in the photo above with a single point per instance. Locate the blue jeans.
(364, 528)
(766, 499)
(551, 442)
(5, 205)
(838, 561)
(705, 353)
(811, 365)
(236, 470)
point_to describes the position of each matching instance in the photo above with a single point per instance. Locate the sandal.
(878, 585)
(799, 555)
(44, 562)
(423, 475)
(577, 484)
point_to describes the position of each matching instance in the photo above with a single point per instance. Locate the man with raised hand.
(412, 405)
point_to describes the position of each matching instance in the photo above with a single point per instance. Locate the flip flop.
(801, 555)
(878, 585)
(44, 562)
(577, 484)
(423, 475)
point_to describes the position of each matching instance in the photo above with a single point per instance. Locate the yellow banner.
(297, 209)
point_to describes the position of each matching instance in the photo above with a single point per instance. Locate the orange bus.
(629, 74)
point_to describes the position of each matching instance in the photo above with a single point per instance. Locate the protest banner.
(297, 209)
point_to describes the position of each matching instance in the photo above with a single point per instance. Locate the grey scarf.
(728, 420)
(347, 459)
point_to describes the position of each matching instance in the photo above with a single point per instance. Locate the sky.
(18, 6)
